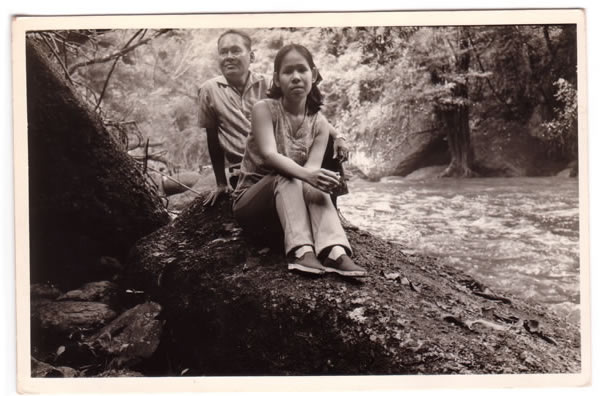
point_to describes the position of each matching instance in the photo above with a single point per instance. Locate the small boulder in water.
(429, 172)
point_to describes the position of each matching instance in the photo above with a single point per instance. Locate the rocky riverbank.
(234, 309)
(200, 297)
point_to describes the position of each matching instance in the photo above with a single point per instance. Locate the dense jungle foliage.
(382, 85)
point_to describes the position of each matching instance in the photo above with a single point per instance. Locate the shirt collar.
(253, 79)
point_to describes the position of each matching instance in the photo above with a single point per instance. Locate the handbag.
(342, 188)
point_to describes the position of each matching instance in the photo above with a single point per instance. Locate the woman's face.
(295, 76)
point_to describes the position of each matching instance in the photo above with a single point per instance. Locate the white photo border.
(21, 25)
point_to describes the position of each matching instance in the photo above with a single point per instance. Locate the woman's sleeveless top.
(292, 144)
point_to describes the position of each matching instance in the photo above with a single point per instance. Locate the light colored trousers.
(306, 214)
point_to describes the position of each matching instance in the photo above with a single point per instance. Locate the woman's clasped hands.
(324, 180)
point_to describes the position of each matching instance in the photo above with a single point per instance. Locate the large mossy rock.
(133, 336)
(70, 316)
(422, 150)
(232, 308)
(87, 197)
(505, 148)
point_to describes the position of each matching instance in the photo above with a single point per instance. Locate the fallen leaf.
(357, 314)
(532, 327)
(60, 350)
(414, 287)
(456, 321)
(393, 276)
(491, 296)
(486, 323)
(360, 300)
(507, 319)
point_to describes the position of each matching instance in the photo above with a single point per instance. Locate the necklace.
(295, 121)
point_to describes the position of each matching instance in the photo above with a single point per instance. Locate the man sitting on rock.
(225, 104)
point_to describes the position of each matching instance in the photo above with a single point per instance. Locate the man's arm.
(216, 155)
(340, 149)
(208, 120)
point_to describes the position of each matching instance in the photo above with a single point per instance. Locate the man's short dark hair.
(240, 33)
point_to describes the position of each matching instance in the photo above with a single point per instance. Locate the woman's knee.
(283, 183)
(315, 196)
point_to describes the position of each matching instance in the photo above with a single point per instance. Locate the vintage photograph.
(370, 196)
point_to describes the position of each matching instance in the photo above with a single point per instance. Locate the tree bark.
(87, 198)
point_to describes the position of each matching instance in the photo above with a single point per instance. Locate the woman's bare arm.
(261, 124)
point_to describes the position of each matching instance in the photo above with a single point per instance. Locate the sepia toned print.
(462, 156)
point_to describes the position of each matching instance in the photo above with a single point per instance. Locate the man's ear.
(251, 56)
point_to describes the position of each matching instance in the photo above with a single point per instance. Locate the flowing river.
(518, 235)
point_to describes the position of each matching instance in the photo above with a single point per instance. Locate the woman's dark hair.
(315, 96)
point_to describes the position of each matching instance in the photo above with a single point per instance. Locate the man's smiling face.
(235, 57)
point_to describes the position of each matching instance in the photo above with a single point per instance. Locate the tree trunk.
(459, 143)
(87, 198)
(456, 116)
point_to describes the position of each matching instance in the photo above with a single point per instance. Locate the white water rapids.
(519, 235)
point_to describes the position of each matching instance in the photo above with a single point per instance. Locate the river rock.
(507, 149)
(44, 291)
(565, 173)
(103, 291)
(45, 370)
(570, 171)
(68, 316)
(205, 183)
(430, 172)
(134, 335)
(422, 150)
(232, 308)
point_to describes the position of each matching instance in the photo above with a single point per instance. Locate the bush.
(561, 134)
